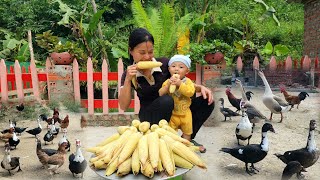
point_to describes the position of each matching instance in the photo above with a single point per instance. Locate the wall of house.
(312, 28)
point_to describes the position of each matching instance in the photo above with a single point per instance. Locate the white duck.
(274, 103)
(244, 129)
(253, 113)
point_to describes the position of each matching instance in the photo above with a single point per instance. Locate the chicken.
(10, 163)
(83, 122)
(6, 136)
(291, 99)
(65, 122)
(20, 107)
(235, 102)
(54, 162)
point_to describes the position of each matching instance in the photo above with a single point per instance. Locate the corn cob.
(172, 87)
(109, 139)
(154, 127)
(133, 129)
(160, 167)
(129, 147)
(93, 149)
(163, 122)
(122, 129)
(99, 157)
(143, 150)
(135, 123)
(149, 131)
(176, 137)
(167, 158)
(180, 162)
(168, 128)
(134, 82)
(106, 147)
(144, 126)
(135, 164)
(148, 170)
(113, 164)
(99, 165)
(153, 146)
(183, 151)
(194, 148)
(148, 64)
(124, 168)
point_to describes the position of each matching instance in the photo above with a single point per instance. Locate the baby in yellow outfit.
(181, 116)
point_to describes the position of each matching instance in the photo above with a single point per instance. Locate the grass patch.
(72, 106)
(53, 104)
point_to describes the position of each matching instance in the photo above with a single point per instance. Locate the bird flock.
(49, 159)
(296, 160)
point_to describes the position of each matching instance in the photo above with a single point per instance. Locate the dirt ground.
(291, 134)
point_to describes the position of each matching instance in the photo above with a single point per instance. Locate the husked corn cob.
(135, 163)
(148, 170)
(194, 148)
(149, 131)
(124, 168)
(100, 156)
(113, 164)
(106, 147)
(144, 126)
(166, 157)
(129, 147)
(160, 167)
(176, 137)
(168, 128)
(99, 164)
(143, 150)
(154, 127)
(133, 129)
(183, 151)
(180, 162)
(135, 123)
(148, 64)
(153, 146)
(172, 87)
(163, 122)
(109, 139)
(134, 82)
(93, 149)
(122, 129)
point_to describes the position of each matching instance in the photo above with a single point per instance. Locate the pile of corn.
(141, 148)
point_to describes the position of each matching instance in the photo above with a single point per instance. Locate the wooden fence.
(14, 84)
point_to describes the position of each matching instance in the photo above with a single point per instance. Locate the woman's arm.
(205, 92)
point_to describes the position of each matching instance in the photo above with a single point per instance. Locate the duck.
(14, 141)
(293, 167)
(36, 130)
(12, 124)
(274, 103)
(244, 129)
(254, 115)
(64, 139)
(10, 163)
(252, 153)
(77, 163)
(226, 111)
(306, 156)
(248, 95)
(48, 137)
(19, 130)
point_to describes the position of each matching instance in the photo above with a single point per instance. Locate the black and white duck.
(252, 153)
(36, 130)
(306, 156)
(10, 163)
(19, 130)
(274, 103)
(77, 163)
(293, 167)
(244, 129)
(14, 141)
(64, 139)
(226, 111)
(48, 137)
(254, 115)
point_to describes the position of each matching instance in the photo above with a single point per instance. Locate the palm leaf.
(140, 15)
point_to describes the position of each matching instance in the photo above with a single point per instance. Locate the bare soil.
(291, 134)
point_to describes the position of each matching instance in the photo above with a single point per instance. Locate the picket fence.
(18, 84)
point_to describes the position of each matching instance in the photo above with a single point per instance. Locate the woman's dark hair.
(138, 36)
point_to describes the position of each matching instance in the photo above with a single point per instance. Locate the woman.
(153, 107)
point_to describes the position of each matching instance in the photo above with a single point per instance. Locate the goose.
(305, 156)
(244, 129)
(10, 163)
(252, 153)
(36, 130)
(226, 111)
(293, 167)
(253, 113)
(274, 103)
(77, 163)
(14, 141)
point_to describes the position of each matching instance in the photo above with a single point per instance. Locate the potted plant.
(60, 53)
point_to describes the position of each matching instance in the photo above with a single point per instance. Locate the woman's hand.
(131, 72)
(206, 94)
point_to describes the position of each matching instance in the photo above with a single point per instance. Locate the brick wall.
(311, 39)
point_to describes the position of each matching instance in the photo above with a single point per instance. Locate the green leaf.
(95, 19)
(10, 43)
(239, 47)
(281, 50)
(23, 53)
(268, 49)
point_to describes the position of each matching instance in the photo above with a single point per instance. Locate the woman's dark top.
(148, 93)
